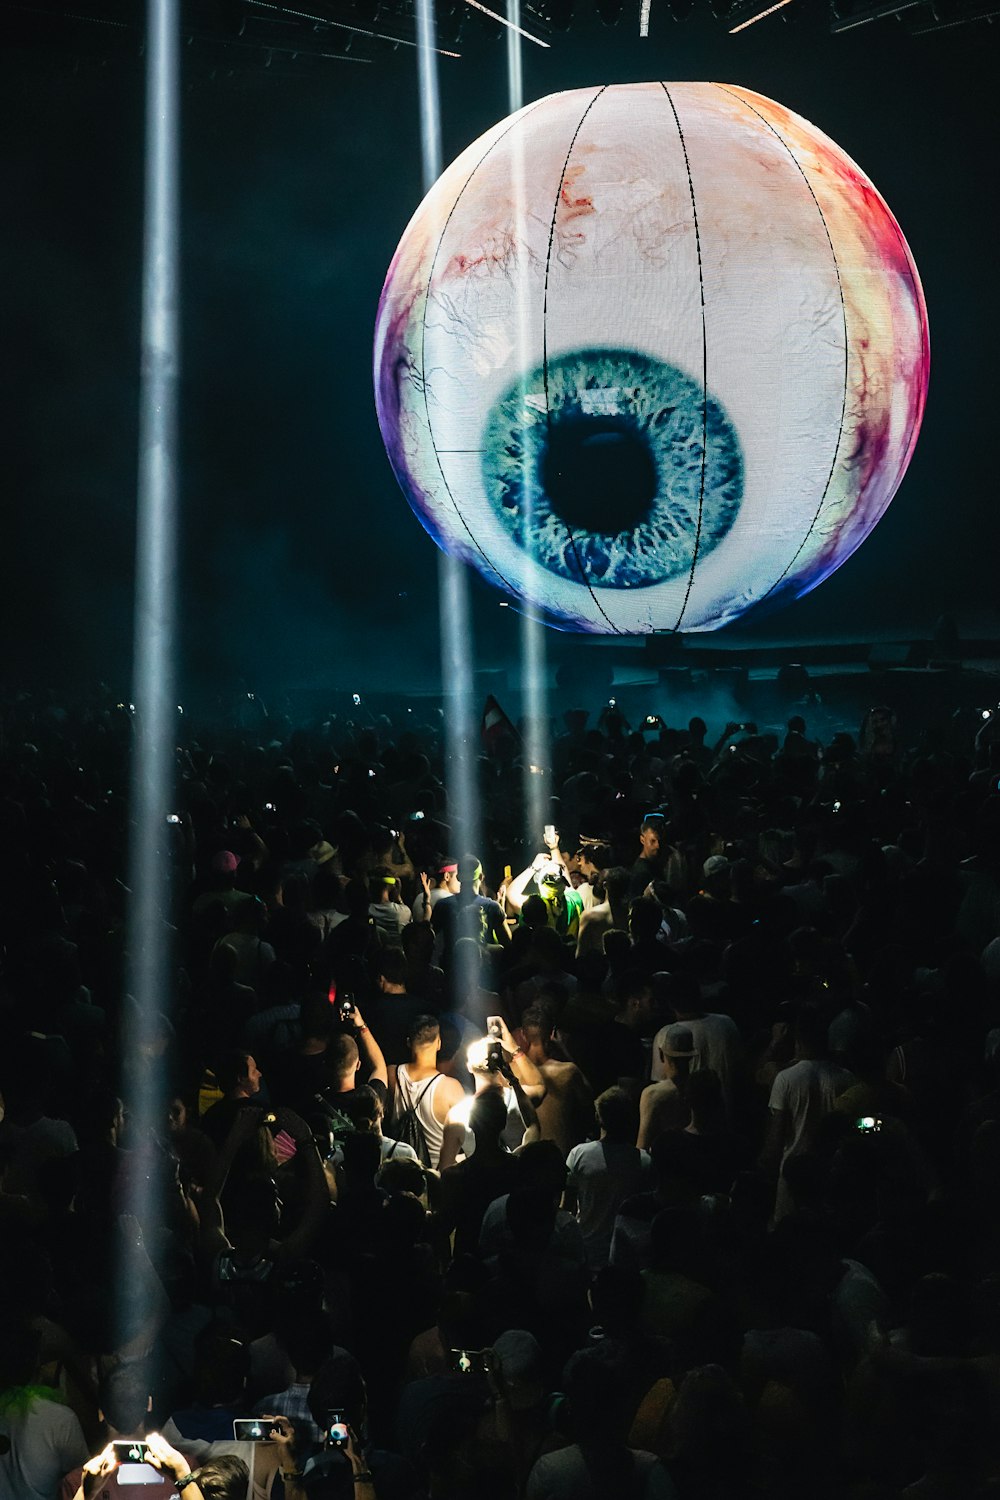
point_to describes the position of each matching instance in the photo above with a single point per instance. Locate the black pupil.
(598, 473)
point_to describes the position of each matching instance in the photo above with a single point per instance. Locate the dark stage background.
(300, 559)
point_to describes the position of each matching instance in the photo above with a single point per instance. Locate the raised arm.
(371, 1052)
(516, 887)
(523, 1069)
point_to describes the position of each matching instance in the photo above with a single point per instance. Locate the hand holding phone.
(338, 1433)
(472, 1361)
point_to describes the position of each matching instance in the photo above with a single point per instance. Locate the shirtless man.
(566, 1114)
(519, 1079)
(663, 1105)
(609, 913)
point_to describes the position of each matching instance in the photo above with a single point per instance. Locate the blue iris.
(612, 468)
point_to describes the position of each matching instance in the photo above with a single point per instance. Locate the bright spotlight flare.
(644, 8)
(724, 371)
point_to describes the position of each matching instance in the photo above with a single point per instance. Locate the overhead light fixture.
(758, 17)
(871, 13)
(380, 36)
(495, 16)
(941, 24)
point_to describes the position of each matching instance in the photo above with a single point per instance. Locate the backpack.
(407, 1128)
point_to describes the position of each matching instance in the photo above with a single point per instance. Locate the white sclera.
(707, 228)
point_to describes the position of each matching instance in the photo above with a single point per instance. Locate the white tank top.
(418, 1095)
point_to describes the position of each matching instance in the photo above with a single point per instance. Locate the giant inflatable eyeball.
(650, 355)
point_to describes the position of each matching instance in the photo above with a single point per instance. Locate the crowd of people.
(657, 1157)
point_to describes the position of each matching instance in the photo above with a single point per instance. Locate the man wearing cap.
(546, 877)
(715, 1038)
(663, 1106)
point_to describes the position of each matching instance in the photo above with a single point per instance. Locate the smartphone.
(507, 874)
(356, 699)
(868, 1124)
(131, 1451)
(345, 1010)
(173, 817)
(550, 831)
(270, 807)
(416, 817)
(251, 1430)
(612, 702)
(472, 1361)
(337, 1432)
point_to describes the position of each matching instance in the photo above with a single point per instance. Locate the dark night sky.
(296, 541)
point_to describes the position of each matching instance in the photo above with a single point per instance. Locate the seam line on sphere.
(704, 359)
(423, 345)
(545, 339)
(843, 315)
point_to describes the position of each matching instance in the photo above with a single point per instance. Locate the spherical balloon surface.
(649, 355)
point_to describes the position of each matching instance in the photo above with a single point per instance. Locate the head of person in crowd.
(225, 1477)
(634, 1000)
(470, 875)
(538, 1026)
(535, 913)
(683, 994)
(424, 1039)
(339, 1385)
(446, 877)
(677, 1054)
(238, 1075)
(617, 1116)
(645, 920)
(223, 867)
(652, 838)
(488, 1119)
(344, 1060)
(392, 970)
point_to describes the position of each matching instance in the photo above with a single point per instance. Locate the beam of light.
(534, 702)
(461, 729)
(505, 21)
(758, 17)
(305, 15)
(644, 9)
(515, 72)
(152, 773)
